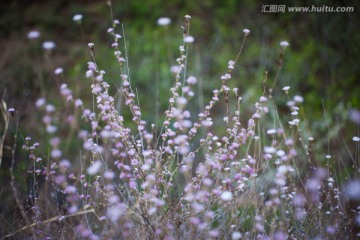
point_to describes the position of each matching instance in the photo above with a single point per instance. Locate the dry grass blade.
(6, 118)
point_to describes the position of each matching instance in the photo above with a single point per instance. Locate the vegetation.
(154, 128)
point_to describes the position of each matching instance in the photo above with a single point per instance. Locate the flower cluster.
(195, 178)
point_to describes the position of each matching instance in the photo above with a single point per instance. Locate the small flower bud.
(246, 32)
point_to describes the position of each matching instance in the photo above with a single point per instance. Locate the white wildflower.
(77, 18)
(58, 71)
(33, 34)
(40, 102)
(298, 99)
(271, 131)
(284, 44)
(48, 45)
(246, 32)
(269, 150)
(189, 39)
(226, 196)
(356, 139)
(94, 168)
(286, 88)
(163, 21)
(236, 235)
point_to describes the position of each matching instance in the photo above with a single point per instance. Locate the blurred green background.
(321, 63)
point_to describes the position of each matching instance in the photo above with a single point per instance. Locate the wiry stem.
(12, 182)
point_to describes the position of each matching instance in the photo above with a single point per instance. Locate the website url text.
(312, 9)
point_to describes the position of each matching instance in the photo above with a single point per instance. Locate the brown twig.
(57, 218)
